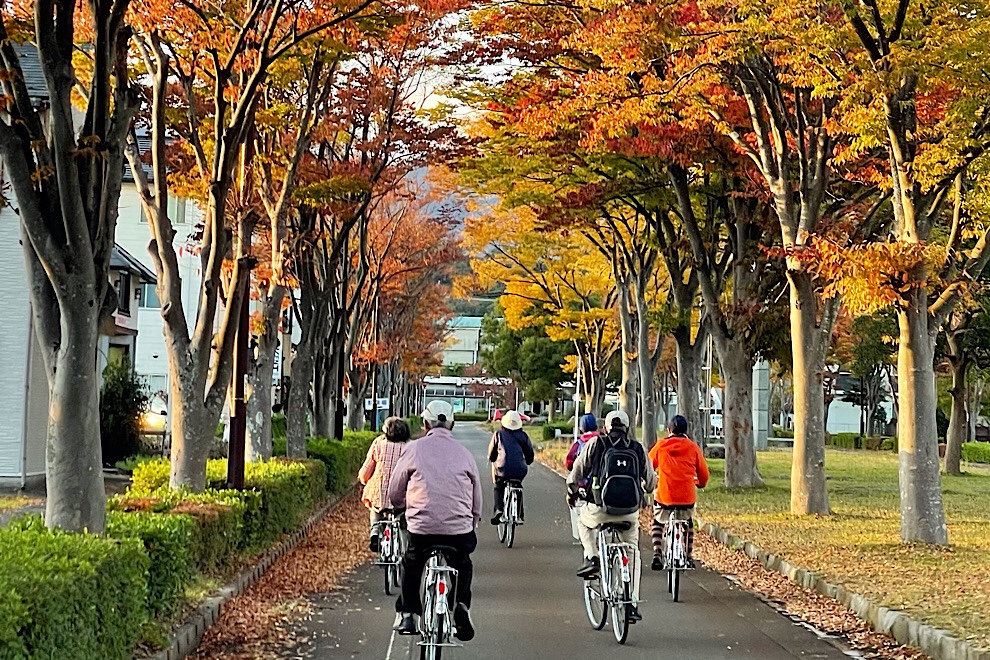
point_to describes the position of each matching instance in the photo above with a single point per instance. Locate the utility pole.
(338, 422)
(238, 407)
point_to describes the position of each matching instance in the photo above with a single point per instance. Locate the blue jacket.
(511, 452)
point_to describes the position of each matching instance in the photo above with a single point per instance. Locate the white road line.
(391, 641)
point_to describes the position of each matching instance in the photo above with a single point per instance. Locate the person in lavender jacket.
(436, 481)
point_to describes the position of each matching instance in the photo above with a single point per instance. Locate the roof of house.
(465, 322)
(34, 78)
(121, 259)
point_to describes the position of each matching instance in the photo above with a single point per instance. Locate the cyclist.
(681, 466)
(588, 426)
(591, 464)
(510, 453)
(377, 469)
(436, 481)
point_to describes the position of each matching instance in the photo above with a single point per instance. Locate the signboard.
(458, 404)
(382, 403)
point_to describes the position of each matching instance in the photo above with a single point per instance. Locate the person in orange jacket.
(681, 468)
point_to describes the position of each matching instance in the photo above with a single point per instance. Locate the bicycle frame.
(674, 537)
(390, 548)
(436, 623)
(510, 505)
(629, 553)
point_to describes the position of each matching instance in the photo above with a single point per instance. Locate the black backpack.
(617, 480)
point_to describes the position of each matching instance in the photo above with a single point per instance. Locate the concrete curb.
(932, 641)
(186, 638)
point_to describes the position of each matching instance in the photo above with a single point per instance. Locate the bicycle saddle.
(618, 526)
(514, 482)
(445, 550)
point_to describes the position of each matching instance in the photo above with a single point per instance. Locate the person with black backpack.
(616, 468)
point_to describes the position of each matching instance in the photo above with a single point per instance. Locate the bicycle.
(511, 513)
(675, 557)
(436, 625)
(613, 588)
(391, 548)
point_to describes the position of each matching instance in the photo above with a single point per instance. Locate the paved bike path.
(528, 604)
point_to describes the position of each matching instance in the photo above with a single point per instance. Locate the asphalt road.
(528, 604)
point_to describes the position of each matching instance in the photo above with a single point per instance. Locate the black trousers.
(500, 484)
(414, 562)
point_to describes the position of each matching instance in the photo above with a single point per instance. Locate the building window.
(149, 297)
(124, 293)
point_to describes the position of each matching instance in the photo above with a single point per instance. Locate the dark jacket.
(511, 452)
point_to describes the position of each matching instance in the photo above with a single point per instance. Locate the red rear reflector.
(625, 560)
(443, 587)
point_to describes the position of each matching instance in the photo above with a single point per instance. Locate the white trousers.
(590, 517)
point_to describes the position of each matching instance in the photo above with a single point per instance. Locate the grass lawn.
(8, 502)
(859, 545)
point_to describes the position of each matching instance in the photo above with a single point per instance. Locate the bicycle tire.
(675, 584)
(430, 652)
(502, 531)
(619, 606)
(510, 533)
(594, 605)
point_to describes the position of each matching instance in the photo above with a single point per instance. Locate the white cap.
(512, 421)
(438, 411)
(619, 416)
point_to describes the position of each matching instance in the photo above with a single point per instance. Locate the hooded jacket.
(680, 466)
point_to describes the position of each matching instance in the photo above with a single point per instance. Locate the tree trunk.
(689, 380)
(628, 388)
(922, 515)
(297, 412)
(324, 378)
(956, 435)
(258, 390)
(737, 417)
(260, 373)
(190, 421)
(355, 401)
(974, 406)
(648, 396)
(809, 341)
(75, 500)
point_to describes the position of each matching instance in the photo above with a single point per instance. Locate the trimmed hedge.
(976, 452)
(168, 540)
(471, 417)
(82, 596)
(856, 441)
(342, 459)
(69, 595)
(415, 424)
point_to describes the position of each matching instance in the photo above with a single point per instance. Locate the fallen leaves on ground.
(798, 603)
(252, 624)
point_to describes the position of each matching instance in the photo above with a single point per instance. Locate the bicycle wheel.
(620, 592)
(430, 652)
(594, 603)
(510, 533)
(502, 530)
(675, 583)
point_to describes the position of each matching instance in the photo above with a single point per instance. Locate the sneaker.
(407, 626)
(374, 544)
(463, 627)
(689, 563)
(589, 569)
(633, 615)
(497, 518)
(657, 564)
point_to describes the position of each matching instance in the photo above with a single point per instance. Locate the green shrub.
(481, 416)
(976, 452)
(278, 427)
(122, 401)
(845, 440)
(549, 432)
(779, 432)
(167, 538)
(415, 424)
(149, 476)
(70, 595)
(342, 459)
(889, 444)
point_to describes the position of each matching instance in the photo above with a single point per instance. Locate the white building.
(464, 343)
